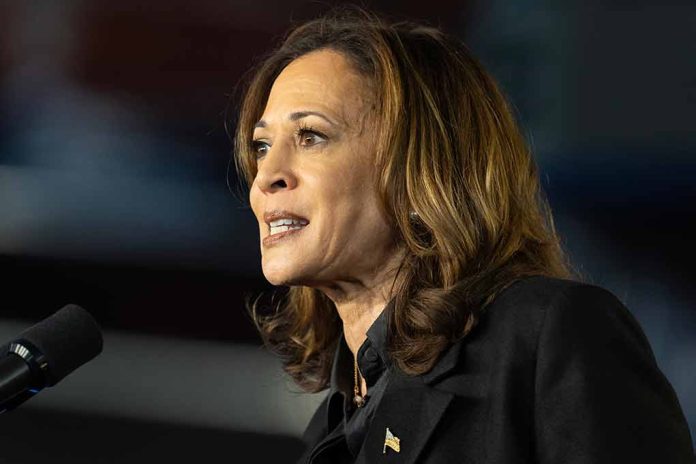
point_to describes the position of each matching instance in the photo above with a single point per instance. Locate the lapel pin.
(391, 441)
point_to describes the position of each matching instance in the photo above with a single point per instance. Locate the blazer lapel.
(411, 410)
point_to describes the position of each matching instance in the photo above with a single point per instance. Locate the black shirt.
(348, 424)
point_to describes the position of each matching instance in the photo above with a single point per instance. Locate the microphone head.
(67, 339)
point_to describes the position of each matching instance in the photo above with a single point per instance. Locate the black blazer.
(556, 372)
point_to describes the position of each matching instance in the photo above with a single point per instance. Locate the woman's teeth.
(283, 225)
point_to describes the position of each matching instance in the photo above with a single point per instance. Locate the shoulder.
(593, 380)
(539, 305)
(566, 363)
(536, 296)
(577, 315)
(536, 317)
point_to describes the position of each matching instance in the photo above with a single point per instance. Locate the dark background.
(115, 195)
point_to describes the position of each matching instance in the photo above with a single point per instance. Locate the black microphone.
(44, 354)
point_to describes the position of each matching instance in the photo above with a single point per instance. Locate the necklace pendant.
(359, 401)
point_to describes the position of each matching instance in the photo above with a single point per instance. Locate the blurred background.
(114, 173)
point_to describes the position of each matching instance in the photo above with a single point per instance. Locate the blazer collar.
(410, 407)
(410, 410)
(445, 364)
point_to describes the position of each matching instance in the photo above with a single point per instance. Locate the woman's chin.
(274, 278)
(281, 275)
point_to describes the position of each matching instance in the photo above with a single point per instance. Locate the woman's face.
(314, 195)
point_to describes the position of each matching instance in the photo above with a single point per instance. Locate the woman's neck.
(357, 317)
(359, 302)
(358, 314)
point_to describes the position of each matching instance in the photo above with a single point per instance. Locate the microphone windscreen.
(68, 339)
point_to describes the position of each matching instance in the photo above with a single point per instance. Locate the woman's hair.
(448, 148)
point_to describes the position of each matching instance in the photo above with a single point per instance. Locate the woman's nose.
(275, 172)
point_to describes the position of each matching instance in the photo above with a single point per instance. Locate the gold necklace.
(358, 399)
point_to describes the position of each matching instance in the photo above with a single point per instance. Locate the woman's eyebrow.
(297, 115)
(303, 114)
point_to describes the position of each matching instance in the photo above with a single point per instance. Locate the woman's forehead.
(324, 81)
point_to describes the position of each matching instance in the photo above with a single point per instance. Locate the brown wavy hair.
(449, 149)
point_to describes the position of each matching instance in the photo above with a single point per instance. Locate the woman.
(428, 292)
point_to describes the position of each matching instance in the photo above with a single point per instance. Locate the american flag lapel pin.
(391, 441)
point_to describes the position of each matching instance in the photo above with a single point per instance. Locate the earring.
(412, 215)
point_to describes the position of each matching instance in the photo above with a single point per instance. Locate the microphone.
(45, 353)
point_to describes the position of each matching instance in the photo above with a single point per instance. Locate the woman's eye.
(260, 148)
(309, 138)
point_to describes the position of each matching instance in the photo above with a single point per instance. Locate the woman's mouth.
(282, 228)
(283, 225)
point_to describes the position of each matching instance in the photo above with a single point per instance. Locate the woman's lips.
(275, 238)
(282, 224)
